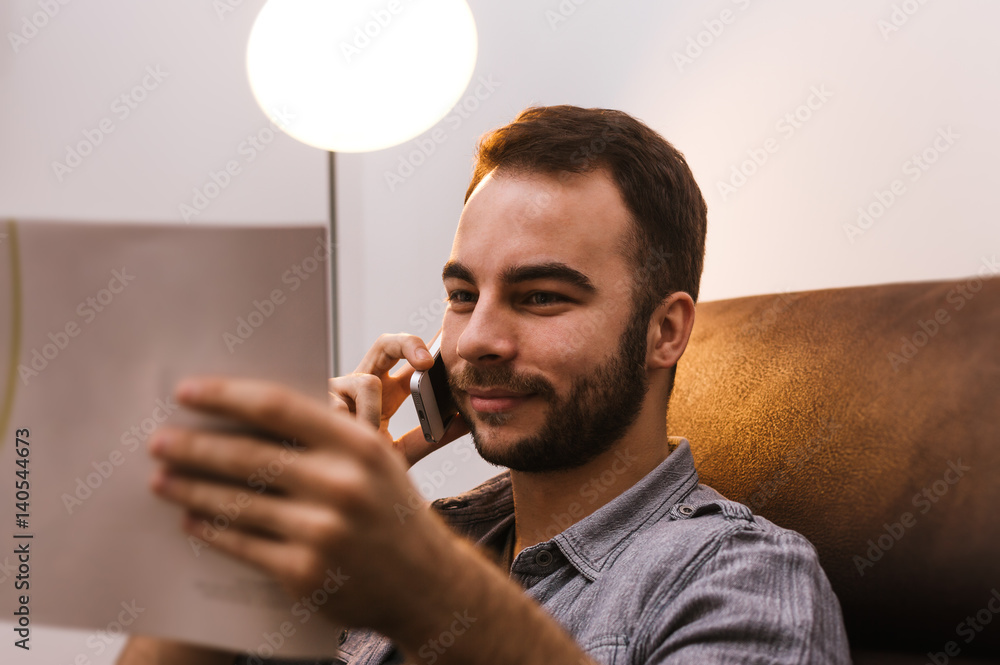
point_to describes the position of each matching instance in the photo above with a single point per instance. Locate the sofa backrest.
(867, 419)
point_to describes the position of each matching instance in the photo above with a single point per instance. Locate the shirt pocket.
(607, 649)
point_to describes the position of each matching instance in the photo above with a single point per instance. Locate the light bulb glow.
(360, 75)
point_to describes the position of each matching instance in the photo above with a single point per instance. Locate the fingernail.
(160, 481)
(423, 354)
(188, 389)
(159, 442)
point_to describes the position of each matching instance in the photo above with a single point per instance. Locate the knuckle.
(369, 383)
(305, 570)
(350, 490)
(235, 543)
(196, 496)
(372, 454)
(273, 405)
(386, 339)
(323, 529)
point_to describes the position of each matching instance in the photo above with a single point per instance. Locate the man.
(571, 287)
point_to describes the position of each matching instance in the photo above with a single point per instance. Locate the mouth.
(496, 401)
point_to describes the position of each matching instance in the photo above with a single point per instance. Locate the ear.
(669, 330)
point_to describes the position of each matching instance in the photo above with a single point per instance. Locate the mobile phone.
(432, 398)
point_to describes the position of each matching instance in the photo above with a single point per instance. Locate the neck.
(546, 504)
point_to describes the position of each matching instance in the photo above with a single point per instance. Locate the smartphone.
(432, 398)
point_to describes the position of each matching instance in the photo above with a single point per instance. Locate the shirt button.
(342, 638)
(543, 557)
(685, 510)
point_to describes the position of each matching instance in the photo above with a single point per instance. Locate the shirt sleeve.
(755, 596)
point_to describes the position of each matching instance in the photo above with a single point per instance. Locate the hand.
(339, 512)
(142, 650)
(341, 527)
(373, 395)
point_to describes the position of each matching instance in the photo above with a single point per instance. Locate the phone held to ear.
(432, 398)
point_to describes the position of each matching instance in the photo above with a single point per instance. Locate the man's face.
(546, 362)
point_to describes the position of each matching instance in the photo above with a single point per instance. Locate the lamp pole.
(334, 318)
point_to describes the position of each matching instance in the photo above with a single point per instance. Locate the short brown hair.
(668, 211)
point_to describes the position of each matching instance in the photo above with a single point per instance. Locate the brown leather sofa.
(867, 419)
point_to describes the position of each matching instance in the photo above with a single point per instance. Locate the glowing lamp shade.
(359, 75)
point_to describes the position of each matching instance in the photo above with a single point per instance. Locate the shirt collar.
(592, 543)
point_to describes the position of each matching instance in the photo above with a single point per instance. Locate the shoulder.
(713, 568)
(705, 532)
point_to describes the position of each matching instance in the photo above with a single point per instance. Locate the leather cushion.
(832, 412)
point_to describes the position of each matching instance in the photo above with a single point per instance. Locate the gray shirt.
(669, 571)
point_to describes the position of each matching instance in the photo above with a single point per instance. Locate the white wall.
(188, 122)
(782, 230)
(191, 119)
(884, 95)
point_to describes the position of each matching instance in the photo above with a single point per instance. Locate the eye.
(459, 296)
(545, 298)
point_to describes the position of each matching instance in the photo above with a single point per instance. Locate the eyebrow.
(525, 273)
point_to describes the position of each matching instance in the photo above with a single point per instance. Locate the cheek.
(562, 350)
(450, 332)
(575, 345)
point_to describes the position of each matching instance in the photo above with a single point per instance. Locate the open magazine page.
(98, 323)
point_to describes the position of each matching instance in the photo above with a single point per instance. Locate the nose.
(489, 334)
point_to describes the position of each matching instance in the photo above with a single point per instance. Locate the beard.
(578, 427)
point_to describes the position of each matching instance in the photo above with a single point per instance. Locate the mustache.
(500, 377)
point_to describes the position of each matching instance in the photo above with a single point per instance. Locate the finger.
(242, 459)
(415, 447)
(365, 392)
(224, 506)
(275, 558)
(277, 409)
(339, 405)
(390, 349)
